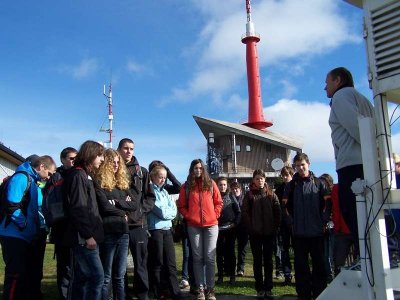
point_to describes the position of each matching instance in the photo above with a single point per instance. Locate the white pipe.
(377, 234)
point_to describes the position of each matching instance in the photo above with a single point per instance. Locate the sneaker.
(183, 284)
(232, 280)
(193, 290)
(210, 295)
(268, 295)
(288, 279)
(200, 294)
(240, 273)
(260, 294)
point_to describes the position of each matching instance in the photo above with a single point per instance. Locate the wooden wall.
(259, 157)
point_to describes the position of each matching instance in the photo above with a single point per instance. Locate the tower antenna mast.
(108, 143)
(251, 38)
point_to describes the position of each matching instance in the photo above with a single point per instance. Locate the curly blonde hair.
(105, 176)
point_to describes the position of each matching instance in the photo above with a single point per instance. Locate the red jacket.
(201, 209)
(337, 218)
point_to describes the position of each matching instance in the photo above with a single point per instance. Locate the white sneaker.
(183, 284)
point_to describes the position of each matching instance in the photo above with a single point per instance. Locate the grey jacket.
(347, 105)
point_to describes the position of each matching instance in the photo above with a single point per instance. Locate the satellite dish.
(277, 164)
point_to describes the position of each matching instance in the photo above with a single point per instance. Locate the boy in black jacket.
(227, 222)
(137, 220)
(285, 229)
(305, 200)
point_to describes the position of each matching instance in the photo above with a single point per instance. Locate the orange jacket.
(202, 209)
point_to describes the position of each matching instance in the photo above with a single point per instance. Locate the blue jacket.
(21, 226)
(163, 212)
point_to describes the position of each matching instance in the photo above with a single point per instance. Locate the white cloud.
(290, 31)
(307, 121)
(237, 103)
(134, 67)
(84, 69)
(289, 89)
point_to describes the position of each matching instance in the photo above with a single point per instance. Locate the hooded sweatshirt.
(22, 226)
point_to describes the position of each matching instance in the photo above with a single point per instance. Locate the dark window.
(268, 147)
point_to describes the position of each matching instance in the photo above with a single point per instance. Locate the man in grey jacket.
(347, 105)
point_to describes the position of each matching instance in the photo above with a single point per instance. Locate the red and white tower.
(251, 38)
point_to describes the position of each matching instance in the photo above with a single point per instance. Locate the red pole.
(256, 116)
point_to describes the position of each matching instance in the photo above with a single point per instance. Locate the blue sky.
(169, 60)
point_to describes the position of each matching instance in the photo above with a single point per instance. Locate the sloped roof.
(10, 155)
(357, 3)
(221, 128)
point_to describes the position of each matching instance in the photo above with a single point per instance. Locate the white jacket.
(347, 105)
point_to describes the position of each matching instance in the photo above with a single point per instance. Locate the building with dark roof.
(235, 150)
(9, 160)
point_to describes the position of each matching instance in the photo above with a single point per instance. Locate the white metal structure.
(377, 191)
(110, 117)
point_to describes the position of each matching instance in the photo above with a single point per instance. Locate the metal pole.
(234, 153)
(377, 230)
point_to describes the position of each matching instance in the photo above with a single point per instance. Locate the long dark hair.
(205, 177)
(87, 153)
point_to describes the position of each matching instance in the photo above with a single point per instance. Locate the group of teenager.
(114, 205)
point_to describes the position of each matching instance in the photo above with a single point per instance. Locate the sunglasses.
(71, 158)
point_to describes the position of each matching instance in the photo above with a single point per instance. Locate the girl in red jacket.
(200, 204)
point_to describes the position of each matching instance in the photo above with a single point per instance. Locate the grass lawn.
(244, 285)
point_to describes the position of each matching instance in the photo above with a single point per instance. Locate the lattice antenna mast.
(108, 143)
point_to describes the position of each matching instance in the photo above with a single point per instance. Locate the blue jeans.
(87, 276)
(203, 242)
(113, 254)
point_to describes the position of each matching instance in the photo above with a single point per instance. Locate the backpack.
(53, 201)
(7, 208)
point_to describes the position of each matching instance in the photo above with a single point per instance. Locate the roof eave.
(246, 131)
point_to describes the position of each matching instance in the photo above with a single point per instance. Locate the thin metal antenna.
(108, 143)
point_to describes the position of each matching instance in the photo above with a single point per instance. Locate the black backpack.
(7, 208)
(53, 202)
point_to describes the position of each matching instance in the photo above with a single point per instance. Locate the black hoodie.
(142, 192)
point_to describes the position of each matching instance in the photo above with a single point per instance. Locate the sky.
(167, 61)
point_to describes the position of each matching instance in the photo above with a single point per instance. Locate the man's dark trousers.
(309, 284)
(24, 268)
(138, 240)
(347, 199)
